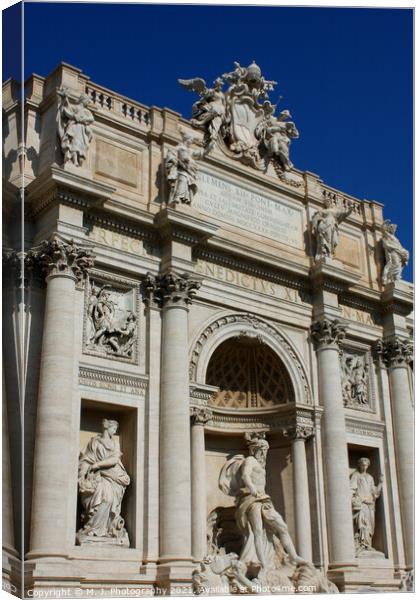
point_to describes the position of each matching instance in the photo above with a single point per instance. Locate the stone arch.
(229, 325)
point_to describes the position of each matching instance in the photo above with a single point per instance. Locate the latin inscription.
(354, 314)
(250, 282)
(249, 210)
(112, 239)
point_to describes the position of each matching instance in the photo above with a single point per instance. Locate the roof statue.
(241, 119)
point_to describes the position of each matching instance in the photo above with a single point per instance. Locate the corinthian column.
(64, 264)
(299, 434)
(397, 354)
(175, 293)
(326, 334)
(199, 417)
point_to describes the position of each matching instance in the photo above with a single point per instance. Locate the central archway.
(249, 375)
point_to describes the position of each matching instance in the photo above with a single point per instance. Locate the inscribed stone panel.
(236, 205)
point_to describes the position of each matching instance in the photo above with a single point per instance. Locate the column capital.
(326, 331)
(299, 431)
(58, 257)
(395, 352)
(21, 269)
(171, 288)
(200, 415)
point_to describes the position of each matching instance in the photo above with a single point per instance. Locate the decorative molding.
(109, 380)
(364, 427)
(327, 331)
(261, 327)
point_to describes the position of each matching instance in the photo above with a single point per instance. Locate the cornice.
(57, 185)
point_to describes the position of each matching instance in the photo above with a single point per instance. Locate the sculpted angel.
(102, 483)
(325, 224)
(181, 171)
(208, 113)
(74, 127)
(396, 257)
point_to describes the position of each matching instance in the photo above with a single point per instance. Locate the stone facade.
(181, 285)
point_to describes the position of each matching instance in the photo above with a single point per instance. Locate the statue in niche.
(396, 257)
(110, 334)
(354, 381)
(268, 561)
(259, 522)
(102, 482)
(325, 224)
(74, 127)
(240, 118)
(364, 496)
(181, 171)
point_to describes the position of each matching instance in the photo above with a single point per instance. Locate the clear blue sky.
(345, 75)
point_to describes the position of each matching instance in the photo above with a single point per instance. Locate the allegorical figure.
(364, 496)
(277, 133)
(257, 519)
(74, 128)
(102, 483)
(108, 333)
(325, 224)
(396, 257)
(207, 113)
(181, 171)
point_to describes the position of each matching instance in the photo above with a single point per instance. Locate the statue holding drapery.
(102, 484)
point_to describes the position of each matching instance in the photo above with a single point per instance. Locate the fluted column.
(397, 354)
(299, 434)
(175, 293)
(199, 417)
(64, 264)
(326, 334)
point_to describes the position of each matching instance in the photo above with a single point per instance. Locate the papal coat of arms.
(237, 115)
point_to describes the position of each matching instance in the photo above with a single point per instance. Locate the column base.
(174, 576)
(365, 576)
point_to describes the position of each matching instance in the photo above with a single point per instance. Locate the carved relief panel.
(355, 379)
(111, 319)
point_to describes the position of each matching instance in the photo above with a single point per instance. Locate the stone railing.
(107, 101)
(340, 199)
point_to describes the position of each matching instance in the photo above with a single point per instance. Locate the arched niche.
(245, 326)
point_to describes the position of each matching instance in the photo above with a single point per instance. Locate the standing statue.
(261, 525)
(396, 257)
(181, 171)
(364, 496)
(325, 224)
(268, 561)
(276, 134)
(74, 128)
(102, 482)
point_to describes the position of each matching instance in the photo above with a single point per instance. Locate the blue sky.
(345, 75)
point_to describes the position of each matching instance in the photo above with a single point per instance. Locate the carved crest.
(238, 116)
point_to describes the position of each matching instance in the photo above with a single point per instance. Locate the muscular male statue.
(258, 520)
